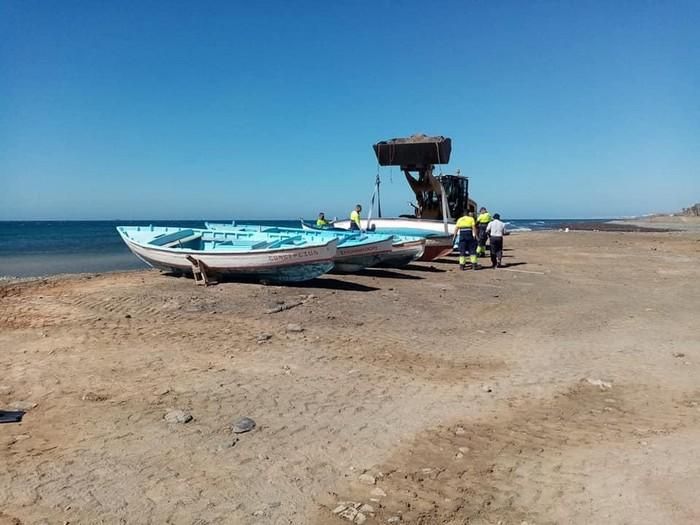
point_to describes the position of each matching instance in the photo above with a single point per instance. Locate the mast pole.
(379, 200)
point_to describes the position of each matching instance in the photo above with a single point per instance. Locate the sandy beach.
(562, 389)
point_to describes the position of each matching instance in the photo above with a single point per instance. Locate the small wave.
(515, 228)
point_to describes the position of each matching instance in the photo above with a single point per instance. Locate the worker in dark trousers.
(465, 228)
(482, 221)
(496, 230)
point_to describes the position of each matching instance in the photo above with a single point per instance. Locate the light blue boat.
(264, 256)
(355, 251)
(405, 248)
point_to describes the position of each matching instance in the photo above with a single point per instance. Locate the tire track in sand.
(512, 469)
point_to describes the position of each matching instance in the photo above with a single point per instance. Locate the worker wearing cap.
(465, 229)
(496, 230)
(355, 223)
(321, 222)
(482, 221)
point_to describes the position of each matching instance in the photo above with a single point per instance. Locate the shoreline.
(129, 263)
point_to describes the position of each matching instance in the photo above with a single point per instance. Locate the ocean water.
(35, 248)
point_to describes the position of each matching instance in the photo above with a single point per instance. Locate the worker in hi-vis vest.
(322, 222)
(465, 229)
(355, 223)
(482, 221)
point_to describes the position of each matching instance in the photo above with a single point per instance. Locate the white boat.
(251, 255)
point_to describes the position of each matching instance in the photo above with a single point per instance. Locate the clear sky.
(269, 109)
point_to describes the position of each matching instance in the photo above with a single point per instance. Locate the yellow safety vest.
(355, 217)
(322, 222)
(464, 222)
(484, 218)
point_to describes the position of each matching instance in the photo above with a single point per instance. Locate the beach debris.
(294, 328)
(14, 416)
(352, 511)
(263, 337)
(163, 391)
(177, 416)
(367, 479)
(603, 385)
(242, 425)
(678, 354)
(378, 492)
(283, 307)
(394, 519)
(94, 397)
(459, 431)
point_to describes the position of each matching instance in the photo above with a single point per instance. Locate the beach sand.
(563, 389)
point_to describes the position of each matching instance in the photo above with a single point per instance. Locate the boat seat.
(234, 243)
(171, 240)
(283, 241)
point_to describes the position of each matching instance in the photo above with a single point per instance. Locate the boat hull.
(349, 258)
(403, 251)
(283, 265)
(437, 242)
(436, 247)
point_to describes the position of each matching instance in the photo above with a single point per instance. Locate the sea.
(39, 248)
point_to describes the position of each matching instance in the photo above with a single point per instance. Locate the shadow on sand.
(329, 283)
(443, 260)
(511, 265)
(325, 282)
(387, 274)
(418, 268)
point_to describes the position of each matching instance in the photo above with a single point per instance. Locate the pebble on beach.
(178, 416)
(93, 396)
(367, 479)
(243, 424)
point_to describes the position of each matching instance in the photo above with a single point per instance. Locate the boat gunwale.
(249, 252)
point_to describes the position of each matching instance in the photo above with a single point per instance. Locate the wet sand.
(562, 389)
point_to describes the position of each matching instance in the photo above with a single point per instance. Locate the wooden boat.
(263, 256)
(404, 248)
(355, 250)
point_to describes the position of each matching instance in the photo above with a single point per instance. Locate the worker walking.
(355, 223)
(496, 230)
(482, 222)
(465, 228)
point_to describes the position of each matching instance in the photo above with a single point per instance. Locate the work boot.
(461, 267)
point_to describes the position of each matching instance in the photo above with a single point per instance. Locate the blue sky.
(269, 109)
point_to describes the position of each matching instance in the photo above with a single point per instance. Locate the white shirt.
(496, 228)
